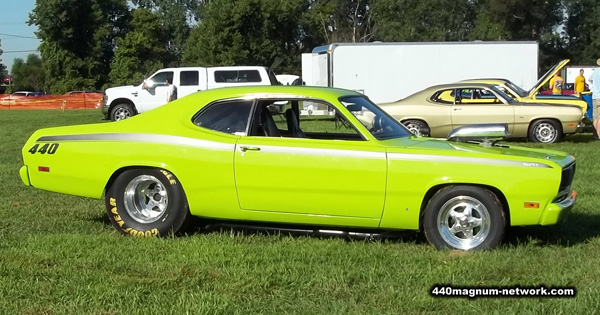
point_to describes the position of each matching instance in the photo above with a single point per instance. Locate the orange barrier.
(73, 101)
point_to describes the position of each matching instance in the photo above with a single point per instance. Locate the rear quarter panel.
(568, 115)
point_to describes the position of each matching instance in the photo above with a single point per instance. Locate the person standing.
(557, 84)
(579, 85)
(595, 80)
(171, 91)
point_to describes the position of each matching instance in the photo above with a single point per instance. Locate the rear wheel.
(545, 131)
(146, 202)
(417, 127)
(464, 218)
(121, 111)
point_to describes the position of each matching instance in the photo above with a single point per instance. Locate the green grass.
(59, 255)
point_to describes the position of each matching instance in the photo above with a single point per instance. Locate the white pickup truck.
(125, 101)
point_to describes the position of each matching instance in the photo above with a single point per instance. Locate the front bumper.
(555, 212)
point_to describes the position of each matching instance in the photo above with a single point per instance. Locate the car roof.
(461, 85)
(486, 80)
(278, 91)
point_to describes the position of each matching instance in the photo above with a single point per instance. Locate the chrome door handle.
(244, 149)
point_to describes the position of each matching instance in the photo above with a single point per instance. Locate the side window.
(187, 78)
(476, 96)
(443, 96)
(160, 78)
(302, 119)
(237, 76)
(229, 117)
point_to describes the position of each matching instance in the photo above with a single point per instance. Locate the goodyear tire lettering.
(121, 223)
(169, 177)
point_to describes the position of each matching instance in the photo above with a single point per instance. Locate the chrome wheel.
(145, 199)
(122, 113)
(463, 222)
(545, 132)
(416, 127)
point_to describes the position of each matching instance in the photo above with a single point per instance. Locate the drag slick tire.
(147, 202)
(121, 111)
(464, 218)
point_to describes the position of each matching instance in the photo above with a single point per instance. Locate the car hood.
(547, 76)
(119, 88)
(426, 146)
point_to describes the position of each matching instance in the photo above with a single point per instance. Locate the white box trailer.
(387, 72)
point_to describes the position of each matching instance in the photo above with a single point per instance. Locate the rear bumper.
(24, 173)
(555, 212)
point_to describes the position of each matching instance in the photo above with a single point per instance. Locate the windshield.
(381, 125)
(516, 89)
(505, 96)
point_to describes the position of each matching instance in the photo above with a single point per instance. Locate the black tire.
(451, 231)
(545, 131)
(417, 127)
(121, 111)
(155, 206)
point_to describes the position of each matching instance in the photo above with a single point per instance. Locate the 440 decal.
(49, 148)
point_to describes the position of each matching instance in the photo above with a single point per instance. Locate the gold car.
(439, 109)
(532, 96)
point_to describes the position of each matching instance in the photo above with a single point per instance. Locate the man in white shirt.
(171, 91)
(595, 79)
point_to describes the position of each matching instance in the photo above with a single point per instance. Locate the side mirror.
(148, 84)
(485, 134)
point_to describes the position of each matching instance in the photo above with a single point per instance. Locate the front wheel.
(464, 218)
(121, 111)
(146, 202)
(545, 131)
(417, 127)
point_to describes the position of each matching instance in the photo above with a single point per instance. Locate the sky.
(18, 39)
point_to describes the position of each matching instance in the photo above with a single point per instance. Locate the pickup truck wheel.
(146, 202)
(417, 127)
(464, 218)
(545, 131)
(121, 111)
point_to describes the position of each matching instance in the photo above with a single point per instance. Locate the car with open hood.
(247, 154)
(533, 95)
(437, 110)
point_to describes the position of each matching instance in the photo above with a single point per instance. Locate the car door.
(155, 92)
(480, 106)
(326, 168)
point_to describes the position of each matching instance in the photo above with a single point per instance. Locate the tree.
(29, 74)
(78, 37)
(341, 20)
(423, 20)
(514, 20)
(582, 30)
(3, 72)
(248, 32)
(141, 51)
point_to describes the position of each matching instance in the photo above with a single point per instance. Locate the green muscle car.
(254, 154)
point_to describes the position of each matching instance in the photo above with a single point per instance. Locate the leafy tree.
(423, 20)
(514, 20)
(248, 32)
(78, 37)
(582, 30)
(341, 20)
(174, 18)
(141, 51)
(3, 72)
(29, 74)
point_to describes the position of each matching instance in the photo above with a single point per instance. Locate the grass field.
(59, 255)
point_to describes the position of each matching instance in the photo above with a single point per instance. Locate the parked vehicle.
(386, 72)
(227, 154)
(439, 109)
(125, 101)
(535, 94)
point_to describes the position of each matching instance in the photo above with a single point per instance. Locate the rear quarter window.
(229, 117)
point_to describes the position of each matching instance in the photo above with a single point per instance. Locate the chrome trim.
(461, 159)
(143, 137)
(479, 132)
